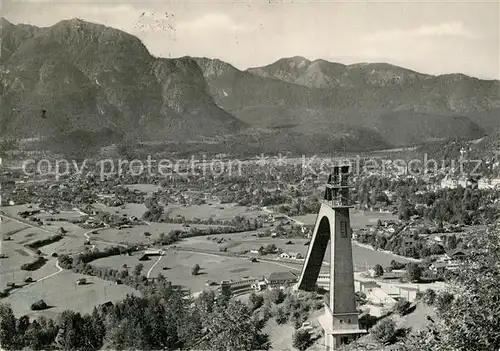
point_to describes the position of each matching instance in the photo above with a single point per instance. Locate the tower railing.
(338, 201)
(339, 181)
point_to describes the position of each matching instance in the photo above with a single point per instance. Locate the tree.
(471, 320)
(33, 336)
(379, 270)
(195, 270)
(413, 272)
(275, 296)
(232, 327)
(302, 339)
(138, 269)
(271, 248)
(385, 331)
(255, 301)
(71, 333)
(7, 327)
(170, 238)
(429, 297)
(436, 249)
(281, 315)
(22, 326)
(444, 300)
(205, 302)
(405, 210)
(451, 242)
(93, 330)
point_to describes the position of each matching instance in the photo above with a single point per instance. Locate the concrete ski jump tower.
(340, 321)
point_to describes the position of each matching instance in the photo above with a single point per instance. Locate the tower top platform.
(337, 188)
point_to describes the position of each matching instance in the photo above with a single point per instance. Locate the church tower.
(340, 321)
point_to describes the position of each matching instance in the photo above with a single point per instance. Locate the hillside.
(81, 78)
(90, 77)
(404, 107)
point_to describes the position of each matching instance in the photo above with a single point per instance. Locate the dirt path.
(154, 265)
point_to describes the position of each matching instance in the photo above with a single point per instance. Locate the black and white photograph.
(246, 175)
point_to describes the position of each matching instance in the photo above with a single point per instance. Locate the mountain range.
(80, 76)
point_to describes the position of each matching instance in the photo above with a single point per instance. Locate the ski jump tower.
(340, 321)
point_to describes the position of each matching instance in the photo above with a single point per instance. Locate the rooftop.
(282, 276)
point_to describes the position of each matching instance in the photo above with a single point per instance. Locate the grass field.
(128, 209)
(13, 210)
(29, 235)
(215, 211)
(214, 268)
(136, 235)
(62, 293)
(237, 242)
(359, 219)
(117, 262)
(8, 227)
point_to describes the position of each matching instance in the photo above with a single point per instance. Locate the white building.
(489, 183)
(291, 255)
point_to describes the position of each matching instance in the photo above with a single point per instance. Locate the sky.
(434, 37)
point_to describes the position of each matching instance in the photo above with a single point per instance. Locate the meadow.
(61, 293)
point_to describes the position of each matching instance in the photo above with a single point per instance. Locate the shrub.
(39, 305)
(385, 331)
(360, 298)
(401, 306)
(367, 321)
(195, 270)
(33, 266)
(255, 301)
(301, 339)
(39, 243)
(397, 265)
(138, 269)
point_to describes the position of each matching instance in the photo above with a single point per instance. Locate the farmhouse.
(153, 252)
(258, 251)
(489, 183)
(365, 286)
(456, 254)
(408, 292)
(279, 217)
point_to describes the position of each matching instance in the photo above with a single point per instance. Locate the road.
(88, 237)
(154, 265)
